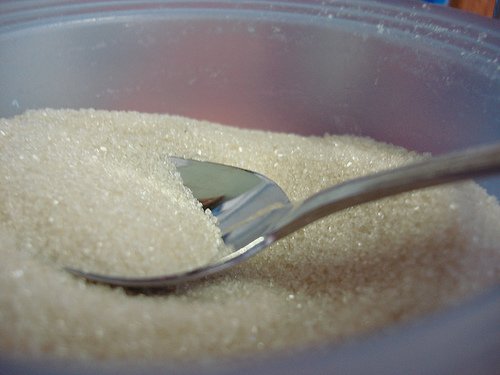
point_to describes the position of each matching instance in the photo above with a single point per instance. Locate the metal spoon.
(253, 212)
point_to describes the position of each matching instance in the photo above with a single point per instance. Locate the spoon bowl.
(253, 212)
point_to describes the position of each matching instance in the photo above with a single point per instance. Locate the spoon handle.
(472, 163)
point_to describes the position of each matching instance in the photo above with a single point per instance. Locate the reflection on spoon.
(253, 212)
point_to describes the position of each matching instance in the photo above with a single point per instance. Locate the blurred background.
(483, 7)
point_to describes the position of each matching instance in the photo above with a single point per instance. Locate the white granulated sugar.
(94, 189)
(100, 195)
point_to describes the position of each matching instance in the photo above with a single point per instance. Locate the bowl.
(405, 72)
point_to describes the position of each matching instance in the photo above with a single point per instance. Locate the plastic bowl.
(424, 77)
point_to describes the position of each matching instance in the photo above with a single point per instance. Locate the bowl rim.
(475, 39)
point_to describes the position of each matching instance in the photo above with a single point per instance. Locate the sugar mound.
(101, 196)
(94, 189)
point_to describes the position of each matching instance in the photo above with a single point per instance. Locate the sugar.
(102, 194)
(113, 211)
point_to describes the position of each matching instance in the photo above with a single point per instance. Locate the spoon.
(253, 212)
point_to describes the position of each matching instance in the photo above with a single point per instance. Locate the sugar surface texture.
(94, 189)
(109, 203)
